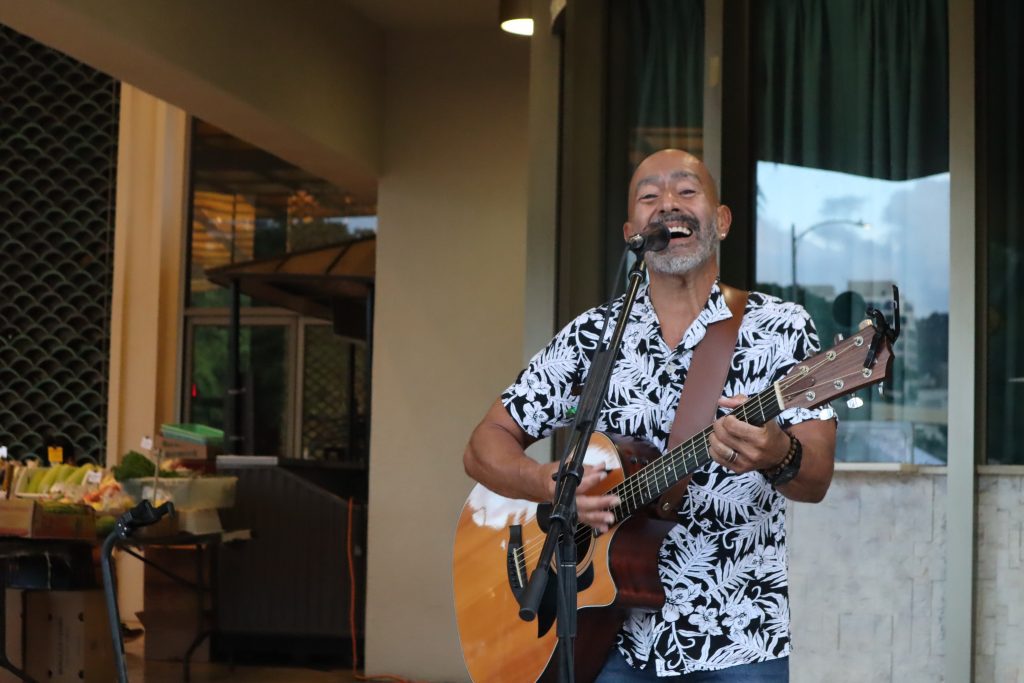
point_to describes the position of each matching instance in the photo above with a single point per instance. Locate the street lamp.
(794, 238)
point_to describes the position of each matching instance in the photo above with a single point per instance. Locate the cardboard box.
(67, 637)
(175, 614)
(186, 450)
(28, 518)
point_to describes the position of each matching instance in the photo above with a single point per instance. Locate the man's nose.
(669, 202)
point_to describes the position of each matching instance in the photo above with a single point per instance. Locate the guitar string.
(762, 399)
(766, 397)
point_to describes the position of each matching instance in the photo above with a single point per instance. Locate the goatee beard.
(669, 264)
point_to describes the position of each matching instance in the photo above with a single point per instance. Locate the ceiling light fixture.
(515, 17)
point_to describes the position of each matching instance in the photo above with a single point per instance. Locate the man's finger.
(732, 401)
(590, 503)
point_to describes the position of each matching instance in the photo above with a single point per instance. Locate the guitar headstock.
(863, 359)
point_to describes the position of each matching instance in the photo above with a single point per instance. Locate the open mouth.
(680, 226)
(679, 231)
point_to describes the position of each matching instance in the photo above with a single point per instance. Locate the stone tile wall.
(999, 577)
(867, 567)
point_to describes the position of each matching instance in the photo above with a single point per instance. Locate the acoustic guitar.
(498, 540)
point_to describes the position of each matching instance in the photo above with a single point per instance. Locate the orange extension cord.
(352, 611)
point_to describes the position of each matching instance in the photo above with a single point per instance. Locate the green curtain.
(667, 80)
(1001, 80)
(831, 82)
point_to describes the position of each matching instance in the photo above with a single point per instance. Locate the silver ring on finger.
(732, 456)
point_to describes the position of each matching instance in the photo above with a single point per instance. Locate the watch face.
(786, 475)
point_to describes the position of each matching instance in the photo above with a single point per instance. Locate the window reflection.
(263, 351)
(248, 204)
(853, 237)
(306, 388)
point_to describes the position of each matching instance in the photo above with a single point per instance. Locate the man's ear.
(724, 220)
(626, 232)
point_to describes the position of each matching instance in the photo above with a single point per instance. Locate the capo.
(883, 331)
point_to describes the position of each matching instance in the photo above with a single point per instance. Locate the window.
(305, 387)
(1001, 63)
(848, 150)
(851, 115)
(841, 251)
(656, 96)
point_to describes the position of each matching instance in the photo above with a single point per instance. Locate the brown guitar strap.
(698, 402)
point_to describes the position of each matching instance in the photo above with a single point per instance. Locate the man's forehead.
(673, 165)
(656, 178)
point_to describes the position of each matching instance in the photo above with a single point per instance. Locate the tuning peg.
(838, 338)
(854, 402)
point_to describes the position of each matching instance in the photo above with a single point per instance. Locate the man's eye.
(649, 195)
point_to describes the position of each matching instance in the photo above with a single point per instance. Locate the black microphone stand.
(561, 531)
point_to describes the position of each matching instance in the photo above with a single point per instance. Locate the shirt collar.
(715, 309)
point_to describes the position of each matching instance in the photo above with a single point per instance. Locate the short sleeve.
(544, 395)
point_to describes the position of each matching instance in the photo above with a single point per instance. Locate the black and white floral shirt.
(724, 565)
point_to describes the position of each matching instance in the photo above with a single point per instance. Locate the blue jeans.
(616, 670)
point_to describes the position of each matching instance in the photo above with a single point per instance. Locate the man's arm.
(818, 441)
(763, 448)
(495, 457)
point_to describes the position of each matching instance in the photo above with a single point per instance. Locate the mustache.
(675, 217)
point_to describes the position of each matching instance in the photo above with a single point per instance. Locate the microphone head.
(658, 236)
(654, 238)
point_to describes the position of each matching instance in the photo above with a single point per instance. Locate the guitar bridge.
(515, 560)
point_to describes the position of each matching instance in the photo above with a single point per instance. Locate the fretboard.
(647, 484)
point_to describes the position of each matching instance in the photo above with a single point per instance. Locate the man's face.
(674, 188)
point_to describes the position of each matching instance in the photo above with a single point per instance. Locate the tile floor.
(142, 671)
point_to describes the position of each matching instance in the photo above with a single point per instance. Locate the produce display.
(65, 487)
(184, 454)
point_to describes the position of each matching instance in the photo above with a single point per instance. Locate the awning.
(333, 282)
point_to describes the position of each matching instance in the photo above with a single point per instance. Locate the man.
(723, 566)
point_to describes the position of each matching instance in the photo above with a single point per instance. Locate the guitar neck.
(647, 484)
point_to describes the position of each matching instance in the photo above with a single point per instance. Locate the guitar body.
(497, 544)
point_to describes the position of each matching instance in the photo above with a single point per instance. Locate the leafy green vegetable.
(132, 466)
(135, 465)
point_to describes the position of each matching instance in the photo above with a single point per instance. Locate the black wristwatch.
(787, 471)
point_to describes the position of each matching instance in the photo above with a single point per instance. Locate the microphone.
(655, 238)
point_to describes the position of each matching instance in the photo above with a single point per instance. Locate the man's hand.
(742, 447)
(495, 458)
(592, 509)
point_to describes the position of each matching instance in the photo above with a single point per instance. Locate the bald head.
(672, 164)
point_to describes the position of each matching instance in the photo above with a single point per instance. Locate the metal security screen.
(58, 143)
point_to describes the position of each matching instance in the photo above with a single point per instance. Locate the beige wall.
(149, 239)
(449, 320)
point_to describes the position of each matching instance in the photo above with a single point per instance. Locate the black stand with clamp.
(561, 532)
(143, 514)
